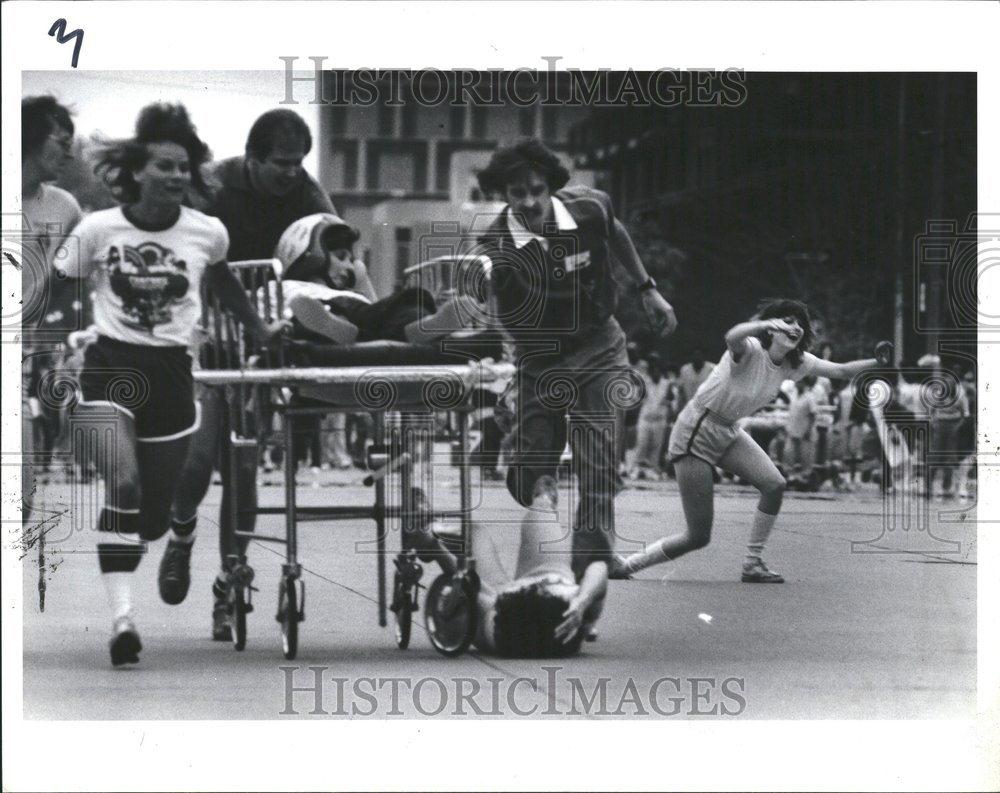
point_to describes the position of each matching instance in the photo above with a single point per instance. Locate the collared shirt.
(558, 285)
(521, 235)
(256, 222)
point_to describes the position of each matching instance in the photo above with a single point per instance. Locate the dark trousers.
(591, 386)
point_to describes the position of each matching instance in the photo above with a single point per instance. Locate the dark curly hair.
(513, 162)
(40, 115)
(525, 621)
(157, 123)
(779, 308)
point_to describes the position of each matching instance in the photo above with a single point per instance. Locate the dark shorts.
(152, 385)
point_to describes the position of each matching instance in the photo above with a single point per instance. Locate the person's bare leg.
(545, 540)
(694, 478)
(748, 461)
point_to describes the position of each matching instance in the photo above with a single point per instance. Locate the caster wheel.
(451, 614)
(288, 615)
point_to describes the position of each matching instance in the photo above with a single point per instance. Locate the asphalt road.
(870, 624)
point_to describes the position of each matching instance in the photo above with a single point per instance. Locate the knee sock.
(762, 525)
(654, 554)
(119, 556)
(183, 530)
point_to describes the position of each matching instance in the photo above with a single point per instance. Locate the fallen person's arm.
(593, 587)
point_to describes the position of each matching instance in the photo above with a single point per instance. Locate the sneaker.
(175, 572)
(617, 571)
(756, 572)
(125, 644)
(222, 627)
(545, 494)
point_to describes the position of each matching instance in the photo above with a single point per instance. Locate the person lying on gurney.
(330, 297)
(530, 604)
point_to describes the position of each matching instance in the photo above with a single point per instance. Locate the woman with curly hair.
(148, 258)
(760, 355)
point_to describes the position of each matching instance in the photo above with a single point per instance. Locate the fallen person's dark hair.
(525, 622)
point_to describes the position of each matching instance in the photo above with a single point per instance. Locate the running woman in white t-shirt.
(147, 258)
(760, 355)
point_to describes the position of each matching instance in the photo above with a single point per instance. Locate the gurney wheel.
(288, 613)
(239, 617)
(452, 613)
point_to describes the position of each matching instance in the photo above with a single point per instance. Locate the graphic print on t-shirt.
(149, 279)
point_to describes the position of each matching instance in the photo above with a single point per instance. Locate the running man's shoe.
(175, 572)
(125, 644)
(222, 623)
(756, 572)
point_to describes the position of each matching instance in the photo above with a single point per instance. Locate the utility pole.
(901, 247)
(935, 292)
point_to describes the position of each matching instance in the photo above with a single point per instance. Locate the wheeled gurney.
(404, 388)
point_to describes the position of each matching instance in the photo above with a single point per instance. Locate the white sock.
(643, 559)
(762, 525)
(119, 590)
(188, 530)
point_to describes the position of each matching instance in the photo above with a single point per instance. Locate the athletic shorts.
(700, 433)
(152, 385)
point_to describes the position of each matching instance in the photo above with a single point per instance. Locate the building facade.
(405, 172)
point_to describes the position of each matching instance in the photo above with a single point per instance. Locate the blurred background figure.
(692, 375)
(949, 411)
(967, 439)
(802, 411)
(335, 453)
(653, 420)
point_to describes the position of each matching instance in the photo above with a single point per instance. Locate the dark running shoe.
(125, 644)
(175, 572)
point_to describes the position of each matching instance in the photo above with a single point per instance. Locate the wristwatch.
(648, 284)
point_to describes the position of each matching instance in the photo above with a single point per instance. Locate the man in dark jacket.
(261, 193)
(553, 252)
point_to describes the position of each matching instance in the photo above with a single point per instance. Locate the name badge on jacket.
(577, 261)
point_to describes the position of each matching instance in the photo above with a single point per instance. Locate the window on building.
(351, 166)
(345, 164)
(550, 126)
(396, 172)
(479, 118)
(456, 122)
(404, 241)
(410, 120)
(338, 121)
(386, 118)
(420, 170)
(527, 121)
(442, 176)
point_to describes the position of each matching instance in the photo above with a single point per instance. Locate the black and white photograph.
(449, 384)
